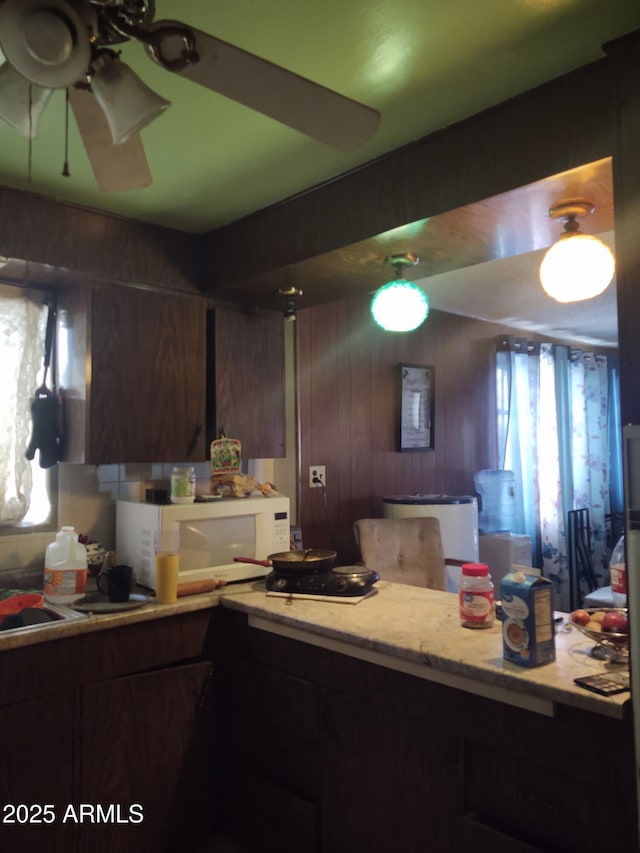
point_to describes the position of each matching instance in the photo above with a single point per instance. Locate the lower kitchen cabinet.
(101, 728)
(383, 785)
(272, 718)
(37, 754)
(134, 734)
(343, 755)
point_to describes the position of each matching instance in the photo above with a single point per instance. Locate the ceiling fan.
(69, 44)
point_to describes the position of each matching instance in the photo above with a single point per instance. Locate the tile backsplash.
(87, 497)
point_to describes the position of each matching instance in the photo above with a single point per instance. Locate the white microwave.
(212, 534)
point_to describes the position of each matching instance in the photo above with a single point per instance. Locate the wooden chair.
(404, 550)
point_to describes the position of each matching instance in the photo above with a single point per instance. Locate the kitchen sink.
(57, 612)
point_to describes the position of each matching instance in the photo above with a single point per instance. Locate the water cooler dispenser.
(496, 490)
(500, 545)
(458, 516)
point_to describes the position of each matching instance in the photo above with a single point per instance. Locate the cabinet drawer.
(475, 835)
(544, 807)
(276, 725)
(267, 817)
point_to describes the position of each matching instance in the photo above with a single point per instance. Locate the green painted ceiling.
(423, 64)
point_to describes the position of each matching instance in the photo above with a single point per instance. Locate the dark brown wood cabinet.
(135, 733)
(247, 364)
(36, 781)
(377, 760)
(151, 376)
(383, 785)
(100, 727)
(133, 374)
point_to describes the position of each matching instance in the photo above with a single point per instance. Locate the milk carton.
(528, 637)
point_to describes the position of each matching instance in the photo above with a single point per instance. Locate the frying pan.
(309, 561)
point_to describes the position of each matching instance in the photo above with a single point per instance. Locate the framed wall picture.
(416, 407)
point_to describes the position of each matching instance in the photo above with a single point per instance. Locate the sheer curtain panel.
(22, 330)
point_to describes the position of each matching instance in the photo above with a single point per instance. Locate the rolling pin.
(197, 587)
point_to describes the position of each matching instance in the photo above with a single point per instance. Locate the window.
(24, 497)
(559, 431)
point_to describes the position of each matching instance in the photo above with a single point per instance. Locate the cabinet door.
(386, 780)
(148, 376)
(36, 787)
(275, 762)
(248, 365)
(135, 734)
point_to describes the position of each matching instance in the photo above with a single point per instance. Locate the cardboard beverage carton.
(528, 637)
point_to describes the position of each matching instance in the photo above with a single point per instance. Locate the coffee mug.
(118, 580)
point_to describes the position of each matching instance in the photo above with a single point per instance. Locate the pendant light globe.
(577, 266)
(400, 305)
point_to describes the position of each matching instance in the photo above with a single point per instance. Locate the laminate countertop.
(409, 629)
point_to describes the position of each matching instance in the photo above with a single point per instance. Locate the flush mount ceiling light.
(400, 305)
(578, 266)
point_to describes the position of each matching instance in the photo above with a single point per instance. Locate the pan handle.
(266, 563)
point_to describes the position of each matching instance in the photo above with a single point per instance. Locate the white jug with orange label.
(65, 568)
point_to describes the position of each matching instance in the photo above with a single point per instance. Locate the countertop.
(410, 629)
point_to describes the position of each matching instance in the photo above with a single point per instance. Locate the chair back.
(403, 550)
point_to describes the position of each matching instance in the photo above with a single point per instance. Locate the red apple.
(615, 623)
(580, 617)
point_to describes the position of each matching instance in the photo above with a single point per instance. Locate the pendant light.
(400, 305)
(578, 266)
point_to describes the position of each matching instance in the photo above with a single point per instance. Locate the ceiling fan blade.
(301, 104)
(116, 167)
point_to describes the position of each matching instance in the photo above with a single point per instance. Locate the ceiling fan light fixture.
(578, 266)
(45, 41)
(19, 107)
(400, 305)
(126, 101)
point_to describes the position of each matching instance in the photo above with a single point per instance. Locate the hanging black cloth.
(45, 408)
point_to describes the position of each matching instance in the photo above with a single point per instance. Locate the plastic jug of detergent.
(65, 568)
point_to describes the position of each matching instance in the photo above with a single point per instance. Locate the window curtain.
(559, 431)
(22, 331)
(518, 383)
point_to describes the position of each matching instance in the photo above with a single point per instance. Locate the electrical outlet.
(317, 472)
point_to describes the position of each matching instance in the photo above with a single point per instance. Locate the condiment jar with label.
(183, 485)
(476, 594)
(618, 569)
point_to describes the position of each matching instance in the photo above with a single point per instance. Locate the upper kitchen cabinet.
(132, 367)
(246, 380)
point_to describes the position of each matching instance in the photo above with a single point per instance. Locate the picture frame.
(417, 394)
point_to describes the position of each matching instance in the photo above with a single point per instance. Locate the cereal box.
(528, 637)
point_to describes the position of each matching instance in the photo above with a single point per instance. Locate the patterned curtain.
(560, 433)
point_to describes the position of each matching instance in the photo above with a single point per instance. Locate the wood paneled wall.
(349, 397)
(79, 243)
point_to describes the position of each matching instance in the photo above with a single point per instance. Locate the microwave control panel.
(281, 533)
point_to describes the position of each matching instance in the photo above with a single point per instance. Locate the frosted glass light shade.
(399, 306)
(577, 267)
(14, 101)
(127, 102)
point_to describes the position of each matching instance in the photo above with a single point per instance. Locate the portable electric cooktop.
(339, 581)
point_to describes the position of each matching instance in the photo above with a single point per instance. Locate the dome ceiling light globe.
(576, 268)
(400, 306)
